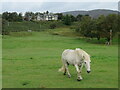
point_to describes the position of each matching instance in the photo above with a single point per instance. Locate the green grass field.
(33, 60)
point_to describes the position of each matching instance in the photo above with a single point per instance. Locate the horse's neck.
(86, 56)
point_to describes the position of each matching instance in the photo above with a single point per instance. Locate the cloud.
(56, 6)
(59, 0)
(20, 6)
(103, 5)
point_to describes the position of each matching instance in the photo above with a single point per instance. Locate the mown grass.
(33, 61)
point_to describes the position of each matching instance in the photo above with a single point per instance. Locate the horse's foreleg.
(81, 66)
(78, 71)
(66, 68)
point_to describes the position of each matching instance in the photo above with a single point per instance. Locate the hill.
(93, 13)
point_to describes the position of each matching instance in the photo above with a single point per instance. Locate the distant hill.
(93, 13)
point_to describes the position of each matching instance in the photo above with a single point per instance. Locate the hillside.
(93, 13)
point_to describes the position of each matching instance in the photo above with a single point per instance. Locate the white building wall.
(47, 17)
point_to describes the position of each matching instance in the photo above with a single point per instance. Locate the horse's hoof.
(69, 76)
(64, 73)
(79, 79)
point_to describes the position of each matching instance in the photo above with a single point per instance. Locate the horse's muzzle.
(88, 71)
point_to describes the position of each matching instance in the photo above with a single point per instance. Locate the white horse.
(78, 58)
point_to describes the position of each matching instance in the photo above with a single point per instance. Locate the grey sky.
(56, 6)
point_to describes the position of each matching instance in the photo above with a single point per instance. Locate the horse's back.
(69, 56)
(67, 52)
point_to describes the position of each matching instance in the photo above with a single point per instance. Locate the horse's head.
(87, 65)
(87, 62)
(86, 57)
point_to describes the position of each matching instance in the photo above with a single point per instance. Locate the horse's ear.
(83, 56)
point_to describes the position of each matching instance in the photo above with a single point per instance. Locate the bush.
(5, 32)
(77, 29)
(4, 24)
(52, 26)
(67, 20)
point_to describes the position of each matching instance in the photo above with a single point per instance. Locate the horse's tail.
(62, 69)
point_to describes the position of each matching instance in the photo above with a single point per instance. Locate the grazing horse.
(78, 58)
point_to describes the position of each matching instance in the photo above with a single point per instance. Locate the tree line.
(28, 16)
(31, 16)
(12, 16)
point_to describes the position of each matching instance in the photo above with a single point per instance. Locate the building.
(47, 17)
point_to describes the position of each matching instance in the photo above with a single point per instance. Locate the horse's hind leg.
(64, 71)
(79, 78)
(67, 70)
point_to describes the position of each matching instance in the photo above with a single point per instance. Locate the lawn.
(32, 60)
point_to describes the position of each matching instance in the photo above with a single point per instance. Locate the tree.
(20, 18)
(47, 12)
(72, 18)
(67, 19)
(26, 16)
(79, 16)
(85, 26)
(86, 14)
(5, 15)
(29, 16)
(14, 16)
(4, 24)
(100, 27)
(88, 27)
(105, 24)
(60, 16)
(118, 23)
(111, 24)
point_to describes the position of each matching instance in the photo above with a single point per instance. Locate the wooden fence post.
(110, 36)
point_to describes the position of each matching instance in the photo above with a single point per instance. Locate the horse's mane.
(84, 54)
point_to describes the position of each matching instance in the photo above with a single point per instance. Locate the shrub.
(77, 29)
(5, 32)
(52, 26)
(4, 24)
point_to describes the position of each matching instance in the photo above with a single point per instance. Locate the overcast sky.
(56, 6)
